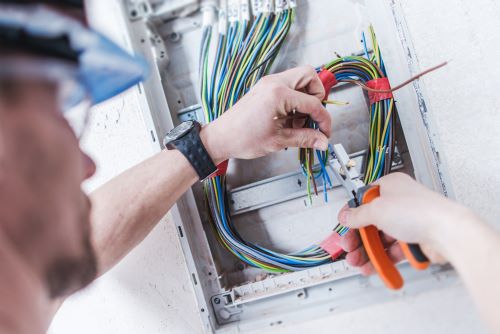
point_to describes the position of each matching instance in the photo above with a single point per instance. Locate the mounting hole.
(179, 101)
(174, 37)
(133, 13)
(209, 273)
(330, 289)
(202, 310)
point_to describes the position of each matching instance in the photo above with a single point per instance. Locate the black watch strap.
(191, 146)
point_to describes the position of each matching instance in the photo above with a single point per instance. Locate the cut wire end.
(337, 103)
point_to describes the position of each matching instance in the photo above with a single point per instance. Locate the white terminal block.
(208, 15)
(223, 17)
(245, 10)
(267, 6)
(257, 7)
(280, 5)
(233, 11)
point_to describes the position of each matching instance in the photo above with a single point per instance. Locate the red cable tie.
(331, 245)
(221, 169)
(328, 80)
(379, 84)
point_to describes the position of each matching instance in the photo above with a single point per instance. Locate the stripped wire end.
(337, 103)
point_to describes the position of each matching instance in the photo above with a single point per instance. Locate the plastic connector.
(267, 6)
(279, 6)
(208, 10)
(245, 10)
(331, 245)
(233, 11)
(257, 7)
(328, 80)
(223, 17)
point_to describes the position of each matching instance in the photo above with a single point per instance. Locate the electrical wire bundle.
(245, 50)
(371, 75)
(364, 72)
(311, 173)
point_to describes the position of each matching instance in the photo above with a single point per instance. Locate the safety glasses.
(73, 100)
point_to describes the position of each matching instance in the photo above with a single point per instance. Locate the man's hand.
(254, 127)
(405, 210)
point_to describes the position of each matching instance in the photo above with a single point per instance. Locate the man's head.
(44, 214)
(44, 50)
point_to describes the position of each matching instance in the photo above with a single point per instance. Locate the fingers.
(304, 138)
(358, 217)
(309, 105)
(350, 241)
(303, 79)
(357, 258)
(395, 253)
(360, 259)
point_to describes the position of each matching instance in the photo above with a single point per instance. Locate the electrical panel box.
(267, 195)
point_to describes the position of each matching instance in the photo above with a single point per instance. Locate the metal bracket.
(278, 189)
(286, 187)
(192, 113)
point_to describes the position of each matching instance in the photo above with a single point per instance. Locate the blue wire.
(367, 55)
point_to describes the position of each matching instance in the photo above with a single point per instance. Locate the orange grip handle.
(375, 248)
(415, 256)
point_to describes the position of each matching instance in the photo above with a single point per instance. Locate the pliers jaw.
(344, 170)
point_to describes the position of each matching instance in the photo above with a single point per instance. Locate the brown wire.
(416, 77)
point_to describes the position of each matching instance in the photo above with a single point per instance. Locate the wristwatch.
(186, 139)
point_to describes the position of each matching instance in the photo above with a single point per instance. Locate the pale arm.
(127, 208)
(410, 212)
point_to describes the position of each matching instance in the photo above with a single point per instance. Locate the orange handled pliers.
(362, 194)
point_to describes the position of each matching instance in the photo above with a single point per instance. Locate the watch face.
(179, 131)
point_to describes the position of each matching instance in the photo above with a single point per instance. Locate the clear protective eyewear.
(73, 100)
(99, 68)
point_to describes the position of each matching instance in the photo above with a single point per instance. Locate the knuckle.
(276, 89)
(399, 177)
(302, 141)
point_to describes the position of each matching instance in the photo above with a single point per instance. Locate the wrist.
(213, 140)
(451, 228)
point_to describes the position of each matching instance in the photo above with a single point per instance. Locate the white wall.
(150, 291)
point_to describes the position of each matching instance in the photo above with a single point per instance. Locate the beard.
(67, 274)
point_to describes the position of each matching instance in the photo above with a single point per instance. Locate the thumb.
(304, 138)
(354, 217)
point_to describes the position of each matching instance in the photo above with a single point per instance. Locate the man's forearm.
(127, 208)
(472, 247)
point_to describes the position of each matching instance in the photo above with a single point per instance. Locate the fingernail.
(320, 145)
(344, 216)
